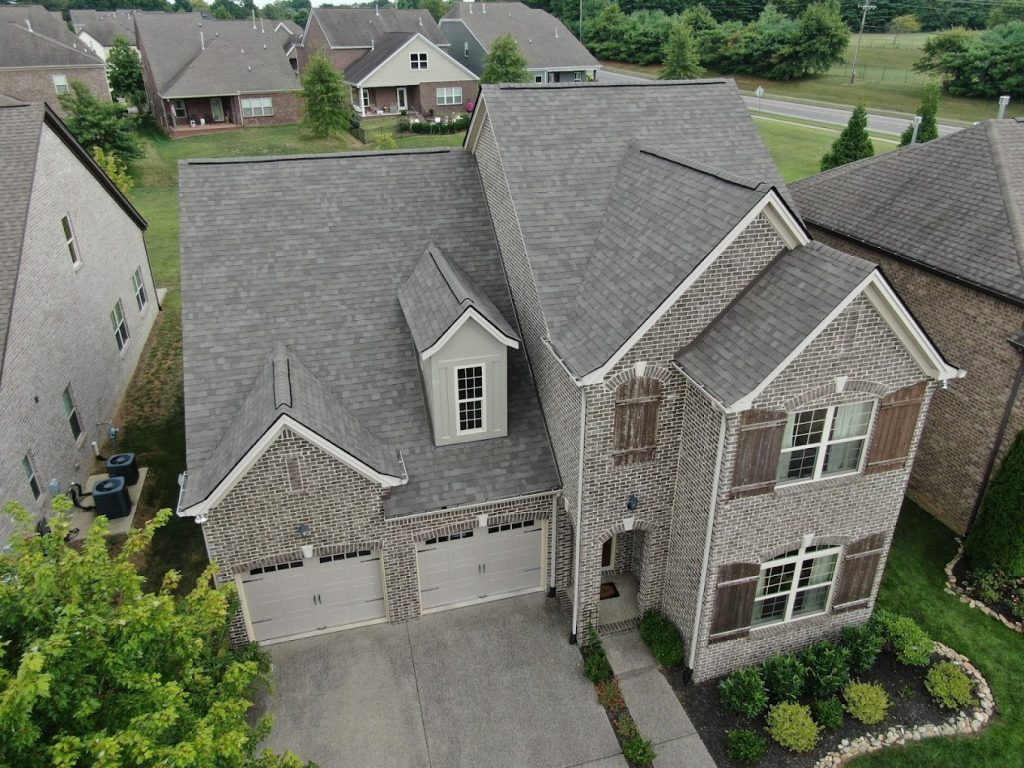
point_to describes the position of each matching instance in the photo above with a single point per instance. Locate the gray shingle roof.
(752, 337)
(437, 294)
(953, 204)
(543, 39)
(356, 27)
(31, 37)
(324, 279)
(384, 48)
(563, 186)
(104, 26)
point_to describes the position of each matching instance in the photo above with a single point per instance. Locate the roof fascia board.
(483, 322)
(225, 94)
(476, 124)
(61, 67)
(406, 44)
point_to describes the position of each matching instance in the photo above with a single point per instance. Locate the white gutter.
(554, 542)
(574, 635)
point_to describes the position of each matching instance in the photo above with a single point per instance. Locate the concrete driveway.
(491, 685)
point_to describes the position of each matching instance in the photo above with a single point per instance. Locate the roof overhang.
(469, 314)
(418, 36)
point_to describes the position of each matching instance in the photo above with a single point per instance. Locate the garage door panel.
(351, 589)
(449, 569)
(279, 601)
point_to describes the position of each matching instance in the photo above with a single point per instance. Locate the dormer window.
(470, 396)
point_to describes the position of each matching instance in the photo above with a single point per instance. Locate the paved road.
(834, 115)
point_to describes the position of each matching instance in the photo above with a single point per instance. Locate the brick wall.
(35, 85)
(423, 97)
(287, 109)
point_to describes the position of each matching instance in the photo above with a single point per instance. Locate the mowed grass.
(913, 585)
(798, 149)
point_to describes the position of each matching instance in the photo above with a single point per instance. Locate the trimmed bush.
(743, 692)
(864, 643)
(792, 726)
(609, 695)
(828, 713)
(997, 539)
(949, 686)
(783, 678)
(745, 746)
(828, 669)
(905, 638)
(662, 638)
(867, 702)
(595, 663)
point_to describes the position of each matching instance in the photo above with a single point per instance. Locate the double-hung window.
(71, 413)
(60, 84)
(824, 442)
(117, 320)
(69, 240)
(30, 474)
(449, 96)
(469, 394)
(179, 108)
(139, 289)
(795, 585)
(417, 61)
(261, 107)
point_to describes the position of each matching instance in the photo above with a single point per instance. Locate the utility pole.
(581, 22)
(863, 18)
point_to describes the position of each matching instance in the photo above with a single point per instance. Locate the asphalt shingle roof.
(384, 48)
(104, 26)
(543, 39)
(324, 279)
(357, 27)
(30, 36)
(953, 204)
(752, 337)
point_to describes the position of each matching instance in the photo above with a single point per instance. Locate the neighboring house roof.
(31, 37)
(954, 205)
(543, 39)
(324, 278)
(364, 27)
(438, 295)
(190, 56)
(361, 70)
(104, 26)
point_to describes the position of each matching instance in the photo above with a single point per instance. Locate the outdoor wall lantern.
(304, 531)
(632, 502)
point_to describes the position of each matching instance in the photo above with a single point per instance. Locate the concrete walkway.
(654, 706)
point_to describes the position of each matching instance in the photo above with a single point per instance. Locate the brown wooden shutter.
(636, 420)
(857, 573)
(757, 453)
(734, 601)
(894, 429)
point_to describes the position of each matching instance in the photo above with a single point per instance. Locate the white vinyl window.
(469, 394)
(69, 240)
(465, 49)
(30, 474)
(366, 98)
(179, 108)
(417, 61)
(60, 84)
(117, 320)
(139, 289)
(577, 77)
(449, 96)
(261, 107)
(795, 585)
(71, 412)
(824, 442)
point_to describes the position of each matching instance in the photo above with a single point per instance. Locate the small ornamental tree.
(997, 538)
(904, 25)
(124, 72)
(853, 143)
(505, 63)
(114, 169)
(328, 109)
(681, 60)
(98, 123)
(928, 110)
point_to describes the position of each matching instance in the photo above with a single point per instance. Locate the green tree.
(698, 18)
(904, 25)
(100, 124)
(116, 170)
(928, 110)
(436, 8)
(1009, 10)
(985, 66)
(229, 9)
(124, 73)
(853, 143)
(505, 63)
(328, 107)
(681, 61)
(817, 42)
(997, 538)
(94, 671)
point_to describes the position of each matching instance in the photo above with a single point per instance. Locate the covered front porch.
(186, 117)
(373, 102)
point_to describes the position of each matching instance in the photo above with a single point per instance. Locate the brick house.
(207, 74)
(394, 60)
(39, 56)
(76, 305)
(961, 276)
(385, 419)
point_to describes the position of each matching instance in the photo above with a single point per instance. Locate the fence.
(878, 74)
(371, 134)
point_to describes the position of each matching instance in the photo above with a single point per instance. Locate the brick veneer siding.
(423, 97)
(35, 85)
(971, 329)
(258, 521)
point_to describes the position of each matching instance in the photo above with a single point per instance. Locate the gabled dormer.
(461, 341)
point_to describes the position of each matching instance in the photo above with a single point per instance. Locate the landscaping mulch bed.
(962, 574)
(905, 685)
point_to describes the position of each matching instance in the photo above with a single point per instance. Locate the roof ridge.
(708, 170)
(599, 84)
(47, 38)
(448, 274)
(1013, 212)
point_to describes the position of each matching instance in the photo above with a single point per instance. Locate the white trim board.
(469, 314)
(404, 46)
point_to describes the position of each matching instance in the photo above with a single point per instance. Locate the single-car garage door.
(303, 596)
(482, 564)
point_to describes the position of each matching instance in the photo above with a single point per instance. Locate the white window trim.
(800, 558)
(140, 288)
(28, 465)
(482, 399)
(71, 242)
(421, 64)
(819, 461)
(577, 77)
(174, 109)
(57, 84)
(465, 48)
(118, 305)
(261, 103)
(455, 91)
(80, 437)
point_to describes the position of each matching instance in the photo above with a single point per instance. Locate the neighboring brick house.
(99, 29)
(394, 60)
(552, 52)
(627, 365)
(76, 305)
(943, 220)
(206, 74)
(39, 56)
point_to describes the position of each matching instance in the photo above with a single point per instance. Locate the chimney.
(1004, 101)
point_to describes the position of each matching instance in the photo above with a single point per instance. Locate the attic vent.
(282, 382)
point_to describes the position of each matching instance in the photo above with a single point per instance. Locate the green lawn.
(913, 584)
(798, 148)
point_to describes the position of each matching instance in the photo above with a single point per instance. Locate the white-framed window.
(577, 77)
(417, 61)
(824, 442)
(796, 585)
(71, 412)
(139, 289)
(60, 84)
(179, 108)
(465, 49)
(30, 475)
(469, 395)
(261, 107)
(366, 98)
(69, 240)
(449, 96)
(117, 320)
(538, 78)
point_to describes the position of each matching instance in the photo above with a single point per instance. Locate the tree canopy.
(328, 105)
(987, 65)
(929, 109)
(505, 63)
(681, 60)
(100, 124)
(124, 73)
(853, 143)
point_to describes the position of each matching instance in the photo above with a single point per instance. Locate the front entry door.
(403, 101)
(217, 108)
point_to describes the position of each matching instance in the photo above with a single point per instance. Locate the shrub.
(907, 640)
(828, 669)
(783, 677)
(990, 585)
(662, 638)
(745, 746)
(950, 686)
(595, 663)
(743, 692)
(828, 713)
(867, 702)
(626, 728)
(997, 539)
(609, 695)
(792, 727)
(638, 750)
(864, 643)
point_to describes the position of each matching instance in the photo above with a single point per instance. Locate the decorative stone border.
(961, 723)
(953, 588)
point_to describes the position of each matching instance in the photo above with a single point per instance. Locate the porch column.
(362, 104)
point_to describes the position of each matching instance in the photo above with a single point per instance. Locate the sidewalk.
(654, 706)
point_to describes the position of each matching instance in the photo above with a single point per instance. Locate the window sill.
(782, 627)
(838, 481)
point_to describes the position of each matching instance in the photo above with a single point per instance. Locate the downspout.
(241, 117)
(554, 544)
(573, 636)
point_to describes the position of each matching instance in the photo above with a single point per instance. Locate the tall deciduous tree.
(928, 110)
(124, 73)
(100, 124)
(853, 143)
(681, 60)
(328, 106)
(505, 63)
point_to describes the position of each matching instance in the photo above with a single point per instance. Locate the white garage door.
(316, 594)
(482, 564)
